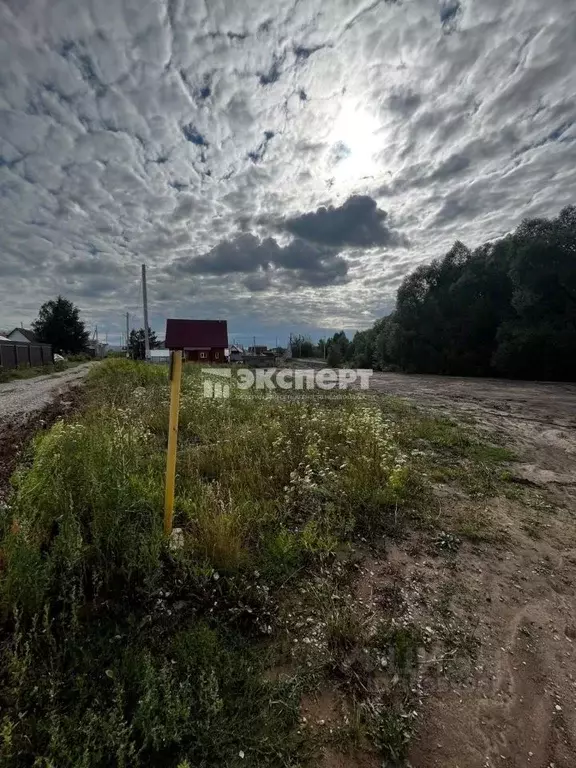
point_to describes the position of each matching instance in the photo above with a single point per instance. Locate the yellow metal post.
(175, 380)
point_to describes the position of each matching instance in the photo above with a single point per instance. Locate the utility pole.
(145, 303)
(127, 334)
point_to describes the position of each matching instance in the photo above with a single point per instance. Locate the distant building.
(96, 348)
(160, 355)
(258, 350)
(204, 341)
(236, 354)
(23, 336)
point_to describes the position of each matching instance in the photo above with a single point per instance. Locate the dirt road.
(518, 706)
(530, 400)
(22, 397)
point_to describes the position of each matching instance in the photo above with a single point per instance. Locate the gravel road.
(21, 397)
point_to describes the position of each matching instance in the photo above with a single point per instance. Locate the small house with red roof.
(203, 341)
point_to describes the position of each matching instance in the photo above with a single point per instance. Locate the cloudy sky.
(281, 164)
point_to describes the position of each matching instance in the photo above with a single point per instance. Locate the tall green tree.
(507, 308)
(340, 347)
(137, 343)
(59, 324)
(538, 340)
(302, 346)
(334, 358)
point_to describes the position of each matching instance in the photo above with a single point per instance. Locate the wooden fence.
(15, 354)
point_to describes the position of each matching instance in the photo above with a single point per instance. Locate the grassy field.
(119, 648)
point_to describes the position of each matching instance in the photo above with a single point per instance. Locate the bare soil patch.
(538, 420)
(516, 705)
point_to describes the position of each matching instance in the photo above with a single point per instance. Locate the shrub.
(86, 512)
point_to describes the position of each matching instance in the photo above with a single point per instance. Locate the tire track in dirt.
(521, 697)
(519, 706)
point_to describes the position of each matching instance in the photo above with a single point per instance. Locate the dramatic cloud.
(358, 222)
(295, 264)
(279, 164)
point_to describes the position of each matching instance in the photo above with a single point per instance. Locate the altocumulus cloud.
(270, 160)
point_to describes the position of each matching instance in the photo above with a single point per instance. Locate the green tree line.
(507, 308)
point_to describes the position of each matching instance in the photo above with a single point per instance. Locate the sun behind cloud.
(356, 139)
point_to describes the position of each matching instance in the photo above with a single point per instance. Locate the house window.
(203, 355)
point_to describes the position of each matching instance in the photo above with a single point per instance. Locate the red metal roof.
(196, 333)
